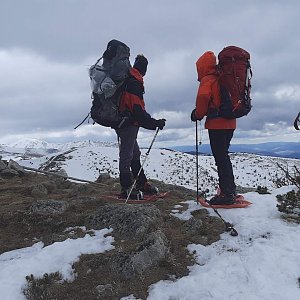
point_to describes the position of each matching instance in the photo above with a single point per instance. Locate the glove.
(161, 123)
(193, 115)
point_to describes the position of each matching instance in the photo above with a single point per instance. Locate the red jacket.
(132, 101)
(208, 96)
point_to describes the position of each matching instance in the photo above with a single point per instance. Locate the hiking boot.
(148, 189)
(134, 195)
(222, 200)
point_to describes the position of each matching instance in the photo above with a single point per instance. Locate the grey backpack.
(108, 81)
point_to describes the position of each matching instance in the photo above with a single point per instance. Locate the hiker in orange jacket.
(132, 101)
(220, 130)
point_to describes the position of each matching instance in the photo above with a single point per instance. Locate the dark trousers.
(219, 143)
(129, 157)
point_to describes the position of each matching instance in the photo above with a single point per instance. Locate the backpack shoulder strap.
(215, 81)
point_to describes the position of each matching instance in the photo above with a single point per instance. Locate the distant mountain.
(30, 143)
(30, 148)
(275, 149)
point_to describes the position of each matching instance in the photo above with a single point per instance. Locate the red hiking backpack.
(235, 82)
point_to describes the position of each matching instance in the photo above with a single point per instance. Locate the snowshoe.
(148, 189)
(222, 200)
(134, 195)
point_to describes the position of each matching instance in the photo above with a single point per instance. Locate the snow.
(15, 265)
(262, 262)
(186, 214)
(87, 159)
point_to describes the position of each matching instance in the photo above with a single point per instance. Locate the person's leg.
(230, 176)
(142, 183)
(127, 139)
(220, 142)
(136, 166)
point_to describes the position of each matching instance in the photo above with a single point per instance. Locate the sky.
(46, 48)
(262, 262)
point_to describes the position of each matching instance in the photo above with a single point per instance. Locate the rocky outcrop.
(10, 169)
(150, 241)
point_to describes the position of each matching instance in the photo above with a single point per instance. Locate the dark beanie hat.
(141, 64)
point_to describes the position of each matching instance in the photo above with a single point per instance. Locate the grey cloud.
(50, 44)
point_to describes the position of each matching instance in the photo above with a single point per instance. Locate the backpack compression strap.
(82, 121)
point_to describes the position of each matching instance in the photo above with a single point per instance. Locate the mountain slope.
(87, 160)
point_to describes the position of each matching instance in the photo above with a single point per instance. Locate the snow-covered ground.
(262, 262)
(37, 260)
(88, 159)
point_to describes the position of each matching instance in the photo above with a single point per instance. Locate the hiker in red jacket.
(220, 130)
(132, 101)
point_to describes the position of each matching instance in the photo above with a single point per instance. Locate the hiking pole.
(197, 163)
(137, 176)
(198, 142)
(229, 227)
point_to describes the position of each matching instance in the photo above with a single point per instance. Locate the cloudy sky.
(46, 48)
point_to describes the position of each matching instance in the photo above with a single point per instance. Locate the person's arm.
(143, 118)
(136, 105)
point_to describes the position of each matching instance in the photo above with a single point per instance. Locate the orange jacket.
(208, 96)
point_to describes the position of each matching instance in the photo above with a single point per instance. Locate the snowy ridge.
(30, 143)
(85, 160)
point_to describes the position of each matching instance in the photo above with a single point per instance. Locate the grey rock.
(3, 165)
(154, 249)
(148, 254)
(129, 220)
(15, 166)
(39, 190)
(105, 291)
(62, 172)
(193, 226)
(49, 207)
(8, 173)
(103, 177)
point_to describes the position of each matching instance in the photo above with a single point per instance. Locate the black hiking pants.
(129, 157)
(219, 143)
